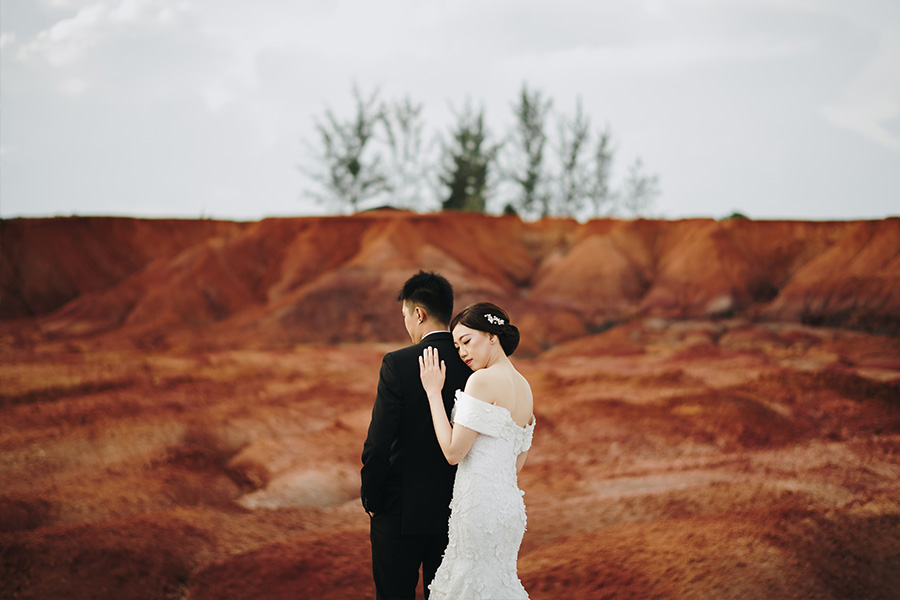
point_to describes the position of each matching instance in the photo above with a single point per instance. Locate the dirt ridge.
(306, 279)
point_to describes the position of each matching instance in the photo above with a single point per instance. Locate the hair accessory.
(492, 319)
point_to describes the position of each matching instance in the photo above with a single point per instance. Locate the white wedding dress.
(487, 519)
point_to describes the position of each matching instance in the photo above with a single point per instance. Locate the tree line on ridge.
(378, 155)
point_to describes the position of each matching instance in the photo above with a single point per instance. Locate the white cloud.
(217, 95)
(128, 10)
(7, 39)
(867, 119)
(66, 4)
(872, 99)
(67, 40)
(665, 55)
(73, 86)
(170, 12)
(704, 91)
(70, 38)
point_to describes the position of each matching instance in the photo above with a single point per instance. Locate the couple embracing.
(440, 482)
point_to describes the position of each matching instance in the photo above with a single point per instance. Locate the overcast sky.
(190, 108)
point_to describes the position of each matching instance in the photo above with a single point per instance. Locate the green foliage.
(379, 152)
(347, 171)
(582, 171)
(574, 136)
(602, 197)
(583, 176)
(408, 173)
(468, 159)
(640, 190)
(527, 153)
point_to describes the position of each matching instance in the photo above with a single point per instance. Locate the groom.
(406, 481)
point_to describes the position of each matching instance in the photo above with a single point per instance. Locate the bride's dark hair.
(489, 318)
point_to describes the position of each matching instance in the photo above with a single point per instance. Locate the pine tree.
(640, 190)
(574, 179)
(467, 163)
(601, 196)
(527, 153)
(348, 169)
(409, 170)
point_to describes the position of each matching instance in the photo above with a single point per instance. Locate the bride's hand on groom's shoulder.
(432, 371)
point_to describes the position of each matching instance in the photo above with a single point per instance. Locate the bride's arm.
(456, 441)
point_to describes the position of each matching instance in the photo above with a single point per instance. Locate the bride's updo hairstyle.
(492, 319)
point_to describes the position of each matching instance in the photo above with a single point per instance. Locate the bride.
(492, 432)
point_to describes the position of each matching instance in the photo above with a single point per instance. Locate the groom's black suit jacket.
(404, 471)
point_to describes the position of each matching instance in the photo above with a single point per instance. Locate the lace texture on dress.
(487, 520)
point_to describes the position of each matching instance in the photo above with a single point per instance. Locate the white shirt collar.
(435, 331)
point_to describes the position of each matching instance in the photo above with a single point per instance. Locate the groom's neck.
(434, 330)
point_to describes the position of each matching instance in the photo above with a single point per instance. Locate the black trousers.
(396, 558)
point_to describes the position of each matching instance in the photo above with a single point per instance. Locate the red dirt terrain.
(184, 402)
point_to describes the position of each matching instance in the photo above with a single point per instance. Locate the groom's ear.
(421, 314)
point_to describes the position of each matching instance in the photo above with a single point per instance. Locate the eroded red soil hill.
(315, 279)
(49, 262)
(186, 422)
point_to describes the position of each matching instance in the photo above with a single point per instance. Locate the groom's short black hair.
(432, 292)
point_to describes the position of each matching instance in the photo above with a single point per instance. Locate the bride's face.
(474, 346)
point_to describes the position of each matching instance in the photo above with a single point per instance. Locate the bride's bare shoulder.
(481, 385)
